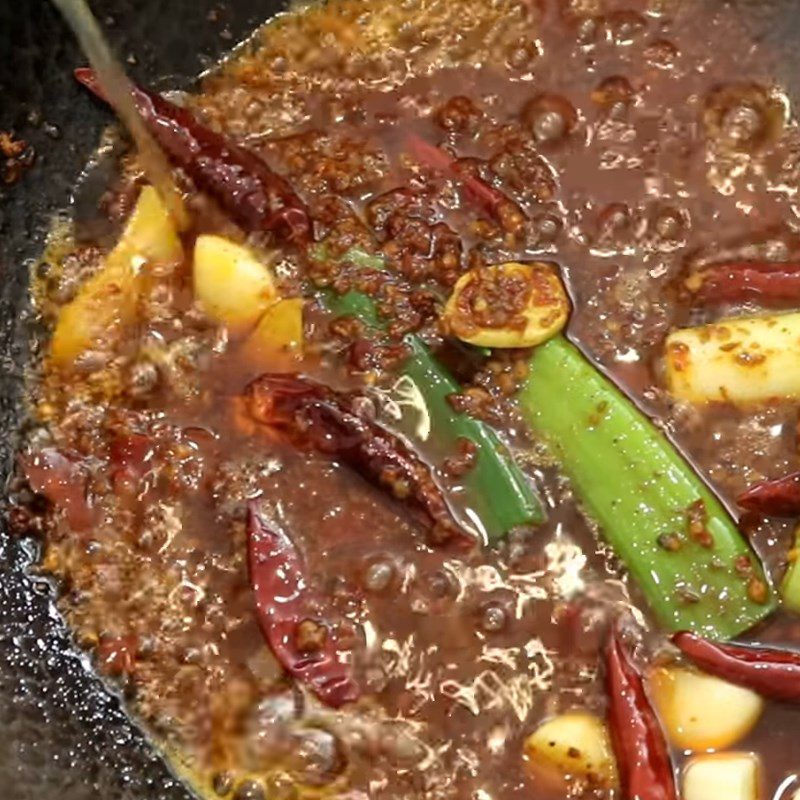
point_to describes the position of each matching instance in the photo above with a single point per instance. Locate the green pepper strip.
(790, 588)
(496, 490)
(639, 489)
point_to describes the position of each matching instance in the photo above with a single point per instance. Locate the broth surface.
(601, 120)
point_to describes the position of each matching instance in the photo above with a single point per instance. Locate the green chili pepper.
(790, 588)
(496, 491)
(674, 536)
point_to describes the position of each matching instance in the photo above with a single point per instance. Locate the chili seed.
(91, 361)
(671, 542)
(689, 596)
(757, 590)
(696, 519)
(401, 489)
(704, 539)
(458, 465)
(743, 565)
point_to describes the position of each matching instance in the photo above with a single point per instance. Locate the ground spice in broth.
(631, 141)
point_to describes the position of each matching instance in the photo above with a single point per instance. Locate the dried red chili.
(255, 196)
(770, 671)
(779, 497)
(316, 417)
(770, 284)
(476, 190)
(642, 755)
(287, 607)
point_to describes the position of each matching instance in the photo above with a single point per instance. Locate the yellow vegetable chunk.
(507, 305)
(107, 301)
(575, 744)
(277, 341)
(232, 284)
(732, 776)
(745, 360)
(700, 712)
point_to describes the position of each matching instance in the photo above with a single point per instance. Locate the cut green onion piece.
(497, 493)
(790, 588)
(678, 542)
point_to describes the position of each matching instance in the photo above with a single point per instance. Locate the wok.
(63, 733)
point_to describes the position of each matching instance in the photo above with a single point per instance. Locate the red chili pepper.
(63, 482)
(779, 497)
(769, 671)
(285, 602)
(642, 755)
(477, 191)
(257, 198)
(313, 416)
(770, 284)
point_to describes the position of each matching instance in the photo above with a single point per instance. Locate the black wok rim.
(65, 733)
